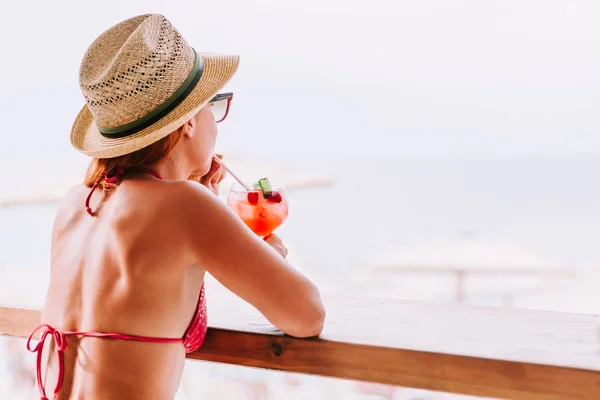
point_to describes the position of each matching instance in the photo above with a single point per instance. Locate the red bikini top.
(192, 339)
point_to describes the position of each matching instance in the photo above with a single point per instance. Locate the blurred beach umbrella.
(51, 188)
(458, 268)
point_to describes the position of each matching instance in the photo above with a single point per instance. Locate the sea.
(548, 207)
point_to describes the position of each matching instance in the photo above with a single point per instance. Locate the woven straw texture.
(129, 71)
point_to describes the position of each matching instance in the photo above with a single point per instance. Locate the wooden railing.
(490, 352)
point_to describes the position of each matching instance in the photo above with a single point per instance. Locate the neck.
(170, 170)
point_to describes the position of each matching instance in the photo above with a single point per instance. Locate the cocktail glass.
(261, 212)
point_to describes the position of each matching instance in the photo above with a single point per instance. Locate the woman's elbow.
(316, 323)
(310, 324)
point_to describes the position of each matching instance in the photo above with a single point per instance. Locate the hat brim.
(85, 137)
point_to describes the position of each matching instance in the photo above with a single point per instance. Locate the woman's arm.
(248, 266)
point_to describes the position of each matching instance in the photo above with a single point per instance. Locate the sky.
(333, 78)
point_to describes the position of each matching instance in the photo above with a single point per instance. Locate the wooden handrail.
(491, 352)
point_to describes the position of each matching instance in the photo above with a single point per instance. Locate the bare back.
(123, 270)
(136, 267)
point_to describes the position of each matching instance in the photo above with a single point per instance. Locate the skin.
(136, 268)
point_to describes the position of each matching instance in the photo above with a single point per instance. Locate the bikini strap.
(114, 177)
(60, 342)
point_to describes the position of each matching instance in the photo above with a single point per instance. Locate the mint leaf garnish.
(256, 186)
(265, 185)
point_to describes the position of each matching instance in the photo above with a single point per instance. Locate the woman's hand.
(213, 177)
(275, 242)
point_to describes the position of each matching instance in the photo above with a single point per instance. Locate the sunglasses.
(219, 105)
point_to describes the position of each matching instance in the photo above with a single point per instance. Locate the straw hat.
(141, 81)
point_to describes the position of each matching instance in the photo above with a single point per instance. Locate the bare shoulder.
(192, 202)
(73, 202)
(185, 196)
(69, 211)
(73, 195)
(202, 214)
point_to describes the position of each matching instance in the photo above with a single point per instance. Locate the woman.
(131, 247)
